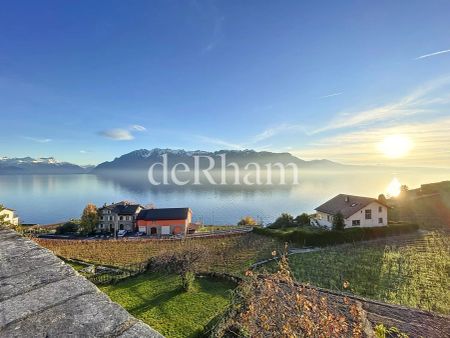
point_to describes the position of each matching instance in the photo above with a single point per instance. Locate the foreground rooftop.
(41, 296)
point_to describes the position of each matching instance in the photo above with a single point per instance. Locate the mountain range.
(44, 165)
(141, 160)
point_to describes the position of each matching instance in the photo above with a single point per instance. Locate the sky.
(87, 81)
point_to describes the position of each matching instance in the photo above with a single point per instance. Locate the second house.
(164, 221)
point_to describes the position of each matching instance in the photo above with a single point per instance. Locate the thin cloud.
(120, 134)
(331, 95)
(217, 32)
(137, 127)
(273, 131)
(417, 102)
(432, 54)
(117, 134)
(38, 140)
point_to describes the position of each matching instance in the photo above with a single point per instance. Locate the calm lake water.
(53, 198)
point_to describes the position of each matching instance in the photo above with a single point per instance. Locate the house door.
(153, 231)
(121, 227)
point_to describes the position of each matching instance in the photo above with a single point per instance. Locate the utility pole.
(115, 227)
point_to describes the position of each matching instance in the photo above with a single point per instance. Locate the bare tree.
(183, 262)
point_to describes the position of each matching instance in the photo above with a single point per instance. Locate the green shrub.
(187, 282)
(303, 220)
(382, 331)
(331, 237)
(67, 227)
(338, 222)
(284, 221)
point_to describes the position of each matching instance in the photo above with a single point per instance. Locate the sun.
(394, 188)
(395, 146)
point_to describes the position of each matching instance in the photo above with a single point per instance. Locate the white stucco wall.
(10, 216)
(373, 222)
(327, 220)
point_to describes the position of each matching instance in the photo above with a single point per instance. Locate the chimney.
(347, 199)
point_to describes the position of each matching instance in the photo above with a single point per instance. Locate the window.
(380, 220)
(328, 218)
(356, 222)
(368, 213)
(101, 225)
(380, 209)
(121, 218)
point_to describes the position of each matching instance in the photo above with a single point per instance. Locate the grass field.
(159, 301)
(412, 272)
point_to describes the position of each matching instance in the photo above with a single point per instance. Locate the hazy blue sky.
(86, 81)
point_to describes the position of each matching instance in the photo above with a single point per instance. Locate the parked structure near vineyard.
(164, 221)
(150, 221)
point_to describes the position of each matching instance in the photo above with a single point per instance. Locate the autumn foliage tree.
(247, 220)
(89, 219)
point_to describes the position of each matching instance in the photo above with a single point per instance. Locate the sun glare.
(395, 146)
(394, 188)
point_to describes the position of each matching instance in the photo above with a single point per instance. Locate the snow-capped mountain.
(43, 165)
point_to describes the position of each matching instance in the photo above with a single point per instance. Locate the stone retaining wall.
(41, 296)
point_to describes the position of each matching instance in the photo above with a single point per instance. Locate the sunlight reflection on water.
(52, 198)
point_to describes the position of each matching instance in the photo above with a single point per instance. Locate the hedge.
(331, 237)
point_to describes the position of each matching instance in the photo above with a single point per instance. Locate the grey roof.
(346, 204)
(123, 208)
(163, 214)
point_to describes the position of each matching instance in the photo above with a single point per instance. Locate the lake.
(53, 198)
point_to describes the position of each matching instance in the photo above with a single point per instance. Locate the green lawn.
(158, 301)
(75, 265)
(413, 273)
